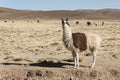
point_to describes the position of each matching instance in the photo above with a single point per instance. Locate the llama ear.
(66, 19)
(62, 19)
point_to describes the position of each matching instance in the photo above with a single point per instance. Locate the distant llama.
(77, 22)
(88, 23)
(5, 21)
(96, 24)
(102, 23)
(79, 42)
(38, 21)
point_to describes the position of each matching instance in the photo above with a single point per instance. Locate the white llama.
(79, 42)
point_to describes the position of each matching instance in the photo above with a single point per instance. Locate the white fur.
(93, 44)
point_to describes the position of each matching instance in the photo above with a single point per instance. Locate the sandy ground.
(34, 51)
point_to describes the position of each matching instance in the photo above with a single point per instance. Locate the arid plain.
(31, 46)
(33, 50)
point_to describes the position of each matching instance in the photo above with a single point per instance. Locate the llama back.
(80, 41)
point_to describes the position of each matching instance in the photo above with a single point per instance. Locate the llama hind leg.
(94, 58)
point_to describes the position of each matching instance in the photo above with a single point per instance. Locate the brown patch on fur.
(80, 41)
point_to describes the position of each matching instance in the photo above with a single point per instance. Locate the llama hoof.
(91, 67)
(76, 67)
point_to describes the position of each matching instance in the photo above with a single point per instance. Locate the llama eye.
(62, 22)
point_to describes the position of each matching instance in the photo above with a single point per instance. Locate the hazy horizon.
(59, 5)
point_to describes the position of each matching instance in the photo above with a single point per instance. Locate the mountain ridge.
(112, 14)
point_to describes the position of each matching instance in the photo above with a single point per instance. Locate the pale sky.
(60, 4)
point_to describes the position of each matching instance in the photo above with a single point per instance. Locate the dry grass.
(44, 40)
(23, 42)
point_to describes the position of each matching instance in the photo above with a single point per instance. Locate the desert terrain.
(33, 50)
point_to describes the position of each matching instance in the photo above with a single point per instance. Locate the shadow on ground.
(47, 64)
(44, 64)
(50, 64)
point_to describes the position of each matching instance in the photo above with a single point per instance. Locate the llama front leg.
(76, 59)
(94, 58)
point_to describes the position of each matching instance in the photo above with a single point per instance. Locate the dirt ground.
(32, 50)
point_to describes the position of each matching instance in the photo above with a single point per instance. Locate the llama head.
(65, 22)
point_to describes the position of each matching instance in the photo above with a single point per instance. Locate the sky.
(60, 4)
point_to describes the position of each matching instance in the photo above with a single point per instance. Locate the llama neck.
(67, 38)
(67, 34)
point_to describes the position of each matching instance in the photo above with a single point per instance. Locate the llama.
(79, 42)
(102, 23)
(77, 22)
(38, 21)
(5, 21)
(88, 23)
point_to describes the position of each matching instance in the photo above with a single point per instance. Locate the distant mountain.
(109, 9)
(8, 10)
(106, 9)
(112, 14)
(84, 9)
